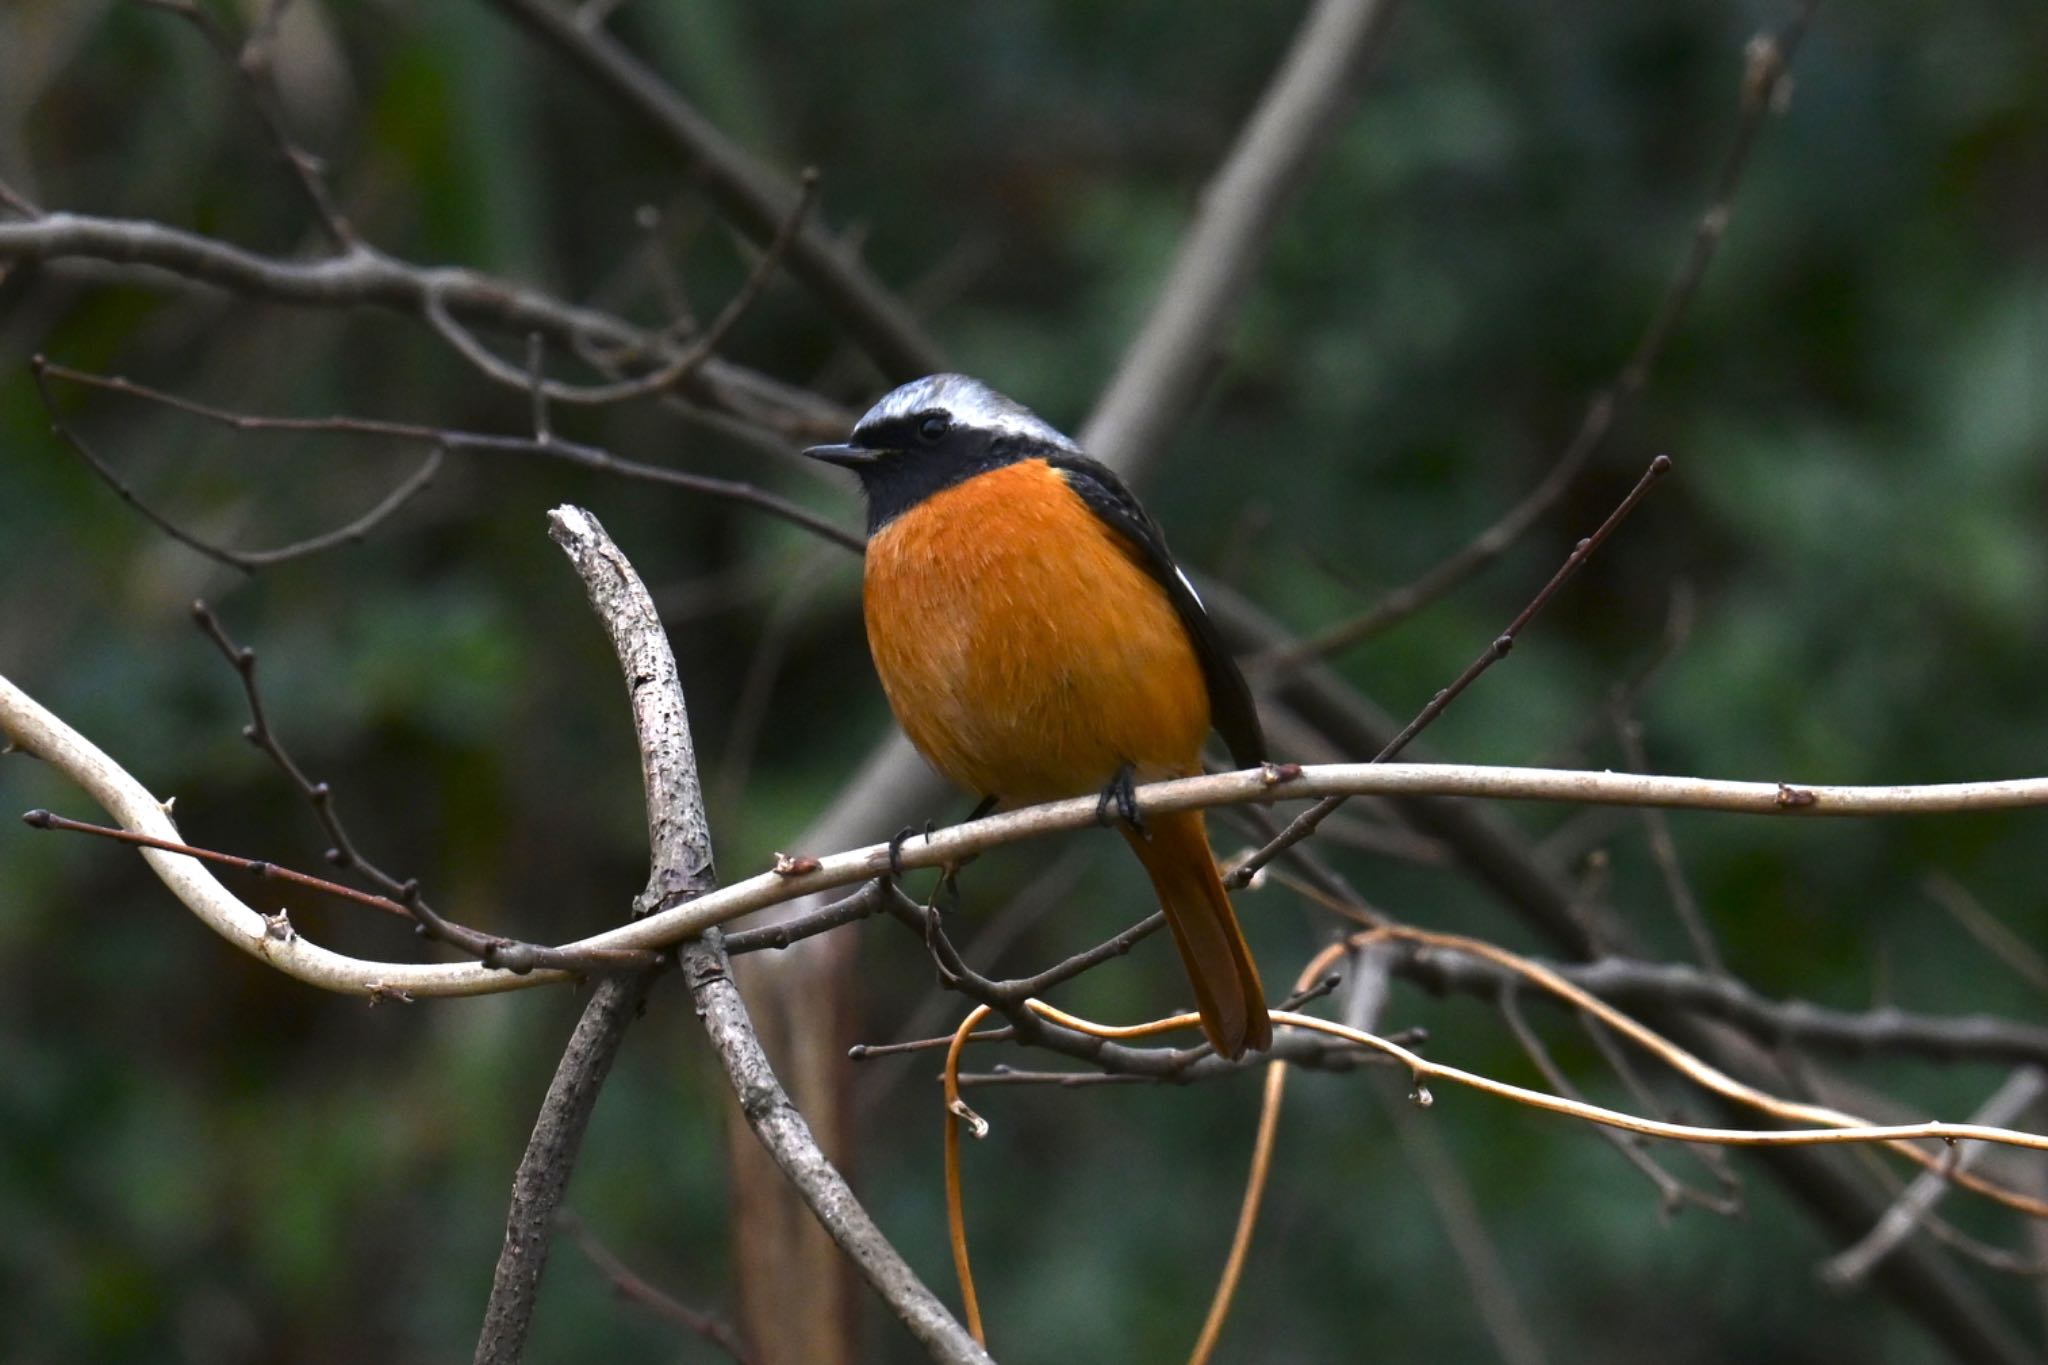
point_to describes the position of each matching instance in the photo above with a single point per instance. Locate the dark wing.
(1230, 701)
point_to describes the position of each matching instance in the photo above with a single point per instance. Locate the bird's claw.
(896, 843)
(1119, 802)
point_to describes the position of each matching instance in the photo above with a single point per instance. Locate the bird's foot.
(1119, 802)
(896, 843)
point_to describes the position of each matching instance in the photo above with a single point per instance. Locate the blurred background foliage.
(202, 1161)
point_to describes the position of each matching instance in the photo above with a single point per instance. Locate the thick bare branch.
(679, 841)
(38, 731)
(782, 1130)
(1159, 382)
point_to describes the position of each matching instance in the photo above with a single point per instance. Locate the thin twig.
(848, 909)
(1981, 925)
(1115, 947)
(252, 61)
(493, 950)
(19, 202)
(1854, 1263)
(745, 401)
(1664, 851)
(248, 561)
(460, 442)
(260, 867)
(1305, 824)
(1627, 691)
(668, 377)
(1712, 1159)
(861, 1052)
(1672, 1193)
(635, 1288)
(753, 197)
(1764, 80)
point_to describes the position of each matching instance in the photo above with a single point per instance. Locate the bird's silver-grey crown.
(970, 403)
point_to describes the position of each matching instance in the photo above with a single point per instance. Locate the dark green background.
(200, 1160)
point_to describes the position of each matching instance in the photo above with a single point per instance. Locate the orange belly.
(1023, 647)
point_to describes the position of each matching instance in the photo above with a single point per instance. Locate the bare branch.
(753, 197)
(452, 440)
(632, 1287)
(1764, 79)
(1305, 824)
(1854, 1263)
(548, 1161)
(1158, 384)
(250, 60)
(678, 834)
(38, 731)
(248, 561)
(1981, 925)
(1655, 987)
(654, 383)
(364, 277)
(782, 1130)
(679, 840)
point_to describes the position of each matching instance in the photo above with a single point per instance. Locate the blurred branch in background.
(153, 254)
(1766, 90)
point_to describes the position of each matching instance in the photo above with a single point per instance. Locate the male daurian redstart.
(1037, 641)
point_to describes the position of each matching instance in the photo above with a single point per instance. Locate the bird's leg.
(1119, 801)
(909, 832)
(896, 843)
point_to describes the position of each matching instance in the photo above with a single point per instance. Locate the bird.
(1036, 640)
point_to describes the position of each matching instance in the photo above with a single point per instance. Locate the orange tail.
(1212, 947)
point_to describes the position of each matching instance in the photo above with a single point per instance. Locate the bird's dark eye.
(934, 428)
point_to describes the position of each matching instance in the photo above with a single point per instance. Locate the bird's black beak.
(846, 457)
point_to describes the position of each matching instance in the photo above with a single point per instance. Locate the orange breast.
(1024, 649)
